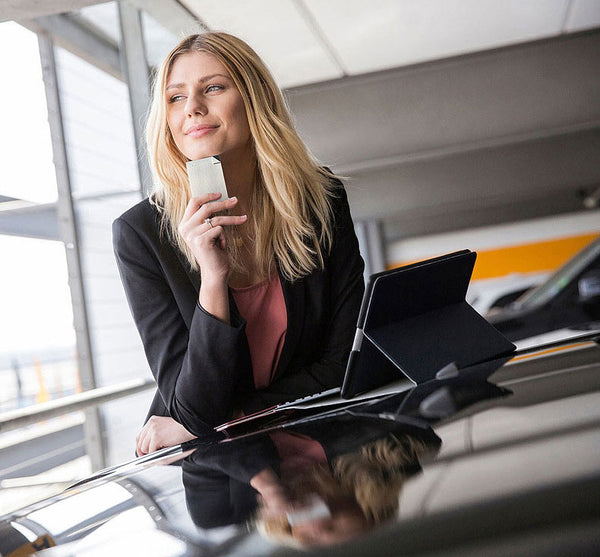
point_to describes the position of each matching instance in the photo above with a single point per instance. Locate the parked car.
(570, 297)
(506, 463)
(498, 293)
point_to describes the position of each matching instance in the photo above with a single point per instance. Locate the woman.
(241, 302)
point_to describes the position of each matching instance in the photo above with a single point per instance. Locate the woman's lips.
(199, 131)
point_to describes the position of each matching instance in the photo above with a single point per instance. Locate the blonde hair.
(373, 476)
(290, 216)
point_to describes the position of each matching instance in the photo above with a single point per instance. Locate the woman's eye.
(214, 88)
(175, 98)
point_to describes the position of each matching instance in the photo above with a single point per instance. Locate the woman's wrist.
(214, 298)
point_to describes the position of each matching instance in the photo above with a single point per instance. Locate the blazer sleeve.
(345, 291)
(217, 479)
(197, 369)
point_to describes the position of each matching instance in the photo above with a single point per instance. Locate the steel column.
(371, 243)
(68, 233)
(137, 76)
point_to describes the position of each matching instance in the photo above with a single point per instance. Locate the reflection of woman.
(240, 302)
(358, 490)
(329, 480)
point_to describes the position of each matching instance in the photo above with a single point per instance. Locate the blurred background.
(457, 124)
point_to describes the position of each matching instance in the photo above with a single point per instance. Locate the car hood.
(517, 435)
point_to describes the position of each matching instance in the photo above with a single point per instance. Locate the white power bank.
(206, 176)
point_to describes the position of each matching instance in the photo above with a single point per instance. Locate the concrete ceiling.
(491, 137)
(309, 41)
(443, 113)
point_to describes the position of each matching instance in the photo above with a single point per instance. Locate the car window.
(561, 278)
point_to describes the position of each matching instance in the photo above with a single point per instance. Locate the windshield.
(563, 276)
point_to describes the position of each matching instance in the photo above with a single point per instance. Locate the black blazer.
(202, 365)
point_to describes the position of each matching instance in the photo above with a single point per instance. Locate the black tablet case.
(414, 320)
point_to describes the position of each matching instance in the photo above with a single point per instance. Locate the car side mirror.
(589, 287)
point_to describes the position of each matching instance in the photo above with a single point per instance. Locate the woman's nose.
(195, 106)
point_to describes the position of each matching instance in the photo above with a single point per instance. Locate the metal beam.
(419, 221)
(32, 221)
(137, 74)
(172, 15)
(68, 230)
(487, 144)
(13, 10)
(83, 41)
(21, 417)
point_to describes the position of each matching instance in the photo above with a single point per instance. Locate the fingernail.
(234, 198)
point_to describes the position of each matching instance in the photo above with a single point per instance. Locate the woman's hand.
(160, 432)
(274, 496)
(204, 235)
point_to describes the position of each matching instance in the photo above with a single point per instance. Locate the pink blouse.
(297, 452)
(263, 307)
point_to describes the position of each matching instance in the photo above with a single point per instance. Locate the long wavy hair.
(290, 216)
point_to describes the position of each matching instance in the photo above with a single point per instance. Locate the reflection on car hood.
(570, 334)
(472, 443)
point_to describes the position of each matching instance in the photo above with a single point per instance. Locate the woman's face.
(205, 110)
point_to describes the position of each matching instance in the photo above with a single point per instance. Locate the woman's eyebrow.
(201, 80)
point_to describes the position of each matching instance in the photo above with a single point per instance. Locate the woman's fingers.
(202, 207)
(211, 233)
(160, 432)
(198, 210)
(206, 210)
(141, 443)
(224, 220)
(144, 441)
(196, 202)
(196, 230)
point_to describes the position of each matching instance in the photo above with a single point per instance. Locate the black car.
(498, 459)
(570, 298)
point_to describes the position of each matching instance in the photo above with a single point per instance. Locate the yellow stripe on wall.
(529, 258)
(525, 258)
